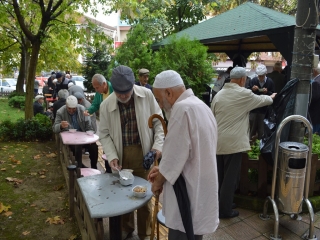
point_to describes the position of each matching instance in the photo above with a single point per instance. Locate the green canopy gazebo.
(246, 29)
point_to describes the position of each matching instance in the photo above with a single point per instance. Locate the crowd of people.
(201, 153)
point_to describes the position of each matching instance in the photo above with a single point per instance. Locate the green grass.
(9, 113)
(42, 194)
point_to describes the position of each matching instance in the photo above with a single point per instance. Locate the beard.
(167, 109)
(167, 113)
(124, 101)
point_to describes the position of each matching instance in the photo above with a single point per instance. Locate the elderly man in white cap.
(261, 85)
(188, 158)
(126, 137)
(72, 115)
(231, 107)
(38, 106)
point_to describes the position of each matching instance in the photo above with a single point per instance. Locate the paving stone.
(260, 225)
(295, 226)
(245, 213)
(219, 234)
(261, 238)
(241, 231)
(228, 221)
(284, 233)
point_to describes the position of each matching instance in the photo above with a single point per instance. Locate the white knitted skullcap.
(261, 70)
(70, 84)
(167, 79)
(72, 102)
(238, 72)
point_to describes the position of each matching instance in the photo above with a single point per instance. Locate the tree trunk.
(22, 71)
(30, 80)
(24, 63)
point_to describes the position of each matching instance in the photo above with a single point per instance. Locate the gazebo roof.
(247, 28)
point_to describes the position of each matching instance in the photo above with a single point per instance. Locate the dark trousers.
(176, 234)
(257, 125)
(132, 159)
(93, 154)
(229, 167)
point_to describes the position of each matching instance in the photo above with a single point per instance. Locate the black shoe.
(234, 206)
(233, 214)
(83, 166)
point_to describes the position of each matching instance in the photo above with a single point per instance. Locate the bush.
(37, 128)
(315, 144)
(6, 130)
(255, 150)
(17, 102)
(14, 93)
(189, 58)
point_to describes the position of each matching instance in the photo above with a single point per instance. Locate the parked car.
(79, 81)
(8, 84)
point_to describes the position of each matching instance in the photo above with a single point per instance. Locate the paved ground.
(247, 226)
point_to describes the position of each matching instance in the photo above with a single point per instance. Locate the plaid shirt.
(129, 126)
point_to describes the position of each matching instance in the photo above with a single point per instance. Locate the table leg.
(100, 231)
(115, 228)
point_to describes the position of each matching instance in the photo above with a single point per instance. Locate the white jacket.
(231, 107)
(110, 124)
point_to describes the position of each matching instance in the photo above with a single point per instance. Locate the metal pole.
(302, 61)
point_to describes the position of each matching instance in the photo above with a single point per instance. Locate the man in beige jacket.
(231, 107)
(126, 137)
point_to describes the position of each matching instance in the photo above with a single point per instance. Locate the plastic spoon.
(120, 174)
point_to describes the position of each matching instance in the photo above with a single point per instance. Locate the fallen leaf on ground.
(4, 208)
(25, 233)
(37, 156)
(3, 169)
(51, 155)
(33, 173)
(55, 220)
(15, 180)
(73, 237)
(48, 163)
(33, 205)
(18, 172)
(44, 210)
(57, 188)
(43, 176)
(7, 214)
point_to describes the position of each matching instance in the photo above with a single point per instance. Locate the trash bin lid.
(294, 146)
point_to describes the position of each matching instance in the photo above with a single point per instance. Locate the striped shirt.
(129, 126)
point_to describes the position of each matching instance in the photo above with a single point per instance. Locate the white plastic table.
(77, 138)
(105, 197)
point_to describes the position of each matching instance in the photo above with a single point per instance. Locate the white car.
(8, 84)
(79, 81)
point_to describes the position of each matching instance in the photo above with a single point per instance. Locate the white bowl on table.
(139, 191)
(90, 133)
(126, 178)
(72, 130)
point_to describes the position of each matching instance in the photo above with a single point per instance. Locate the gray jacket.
(87, 104)
(63, 115)
(73, 89)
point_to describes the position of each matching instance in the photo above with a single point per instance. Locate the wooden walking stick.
(155, 210)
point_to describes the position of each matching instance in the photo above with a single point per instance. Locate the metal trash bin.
(291, 176)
